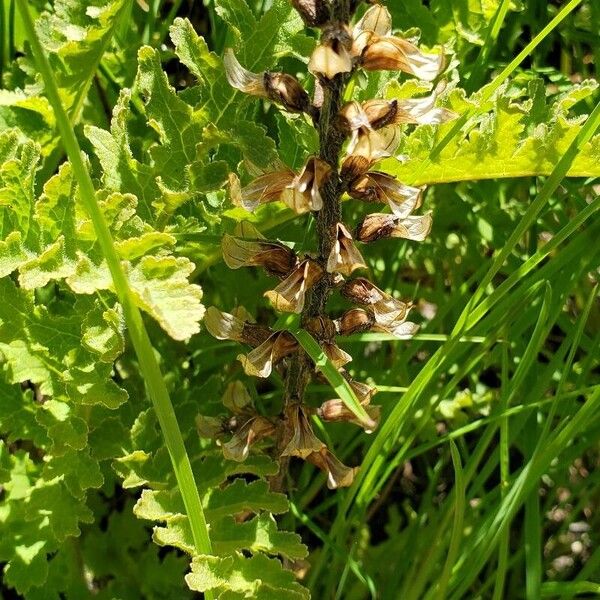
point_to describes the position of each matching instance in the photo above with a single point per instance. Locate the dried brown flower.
(260, 361)
(262, 190)
(277, 87)
(333, 55)
(382, 225)
(344, 257)
(248, 248)
(381, 187)
(236, 398)
(251, 432)
(290, 294)
(303, 193)
(338, 474)
(302, 440)
(335, 411)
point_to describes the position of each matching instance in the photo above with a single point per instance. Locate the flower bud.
(290, 294)
(332, 56)
(381, 187)
(250, 249)
(344, 257)
(353, 321)
(260, 362)
(301, 440)
(382, 225)
(315, 13)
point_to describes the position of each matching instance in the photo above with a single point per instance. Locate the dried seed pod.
(260, 362)
(355, 320)
(290, 294)
(381, 187)
(344, 257)
(382, 225)
(332, 56)
(300, 438)
(251, 432)
(338, 474)
(277, 87)
(250, 249)
(315, 13)
(303, 193)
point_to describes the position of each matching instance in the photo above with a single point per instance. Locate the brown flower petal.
(223, 326)
(302, 440)
(389, 53)
(403, 331)
(336, 355)
(260, 361)
(362, 391)
(290, 294)
(382, 225)
(344, 257)
(236, 398)
(251, 432)
(381, 187)
(338, 474)
(322, 328)
(249, 250)
(262, 190)
(303, 193)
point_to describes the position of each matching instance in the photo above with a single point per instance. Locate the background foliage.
(490, 437)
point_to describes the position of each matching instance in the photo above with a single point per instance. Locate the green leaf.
(512, 137)
(256, 577)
